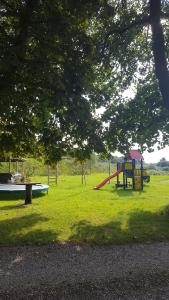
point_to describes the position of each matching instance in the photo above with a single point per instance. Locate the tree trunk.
(158, 47)
(90, 167)
(56, 174)
(48, 175)
(82, 173)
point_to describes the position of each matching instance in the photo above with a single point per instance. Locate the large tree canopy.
(45, 76)
(132, 38)
(60, 60)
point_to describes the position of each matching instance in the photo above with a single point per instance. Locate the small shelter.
(6, 177)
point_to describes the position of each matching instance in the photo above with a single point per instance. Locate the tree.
(135, 42)
(61, 60)
(142, 120)
(46, 72)
(106, 155)
(81, 155)
(163, 163)
(132, 42)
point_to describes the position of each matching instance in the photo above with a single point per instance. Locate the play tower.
(133, 172)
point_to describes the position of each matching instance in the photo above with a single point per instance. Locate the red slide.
(97, 187)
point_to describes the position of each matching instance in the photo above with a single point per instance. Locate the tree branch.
(164, 15)
(140, 21)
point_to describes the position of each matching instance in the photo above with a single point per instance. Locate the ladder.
(52, 179)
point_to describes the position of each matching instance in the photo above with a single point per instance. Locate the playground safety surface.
(71, 271)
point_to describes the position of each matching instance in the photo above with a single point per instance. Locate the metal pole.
(134, 166)
(141, 174)
(118, 174)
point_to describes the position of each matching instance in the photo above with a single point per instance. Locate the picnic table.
(28, 190)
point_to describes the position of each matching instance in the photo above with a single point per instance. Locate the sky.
(153, 157)
(156, 155)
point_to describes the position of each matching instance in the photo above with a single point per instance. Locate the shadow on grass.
(20, 231)
(9, 207)
(5, 196)
(121, 194)
(140, 226)
(128, 192)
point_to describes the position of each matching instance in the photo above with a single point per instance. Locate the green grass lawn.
(72, 212)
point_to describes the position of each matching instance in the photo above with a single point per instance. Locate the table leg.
(28, 194)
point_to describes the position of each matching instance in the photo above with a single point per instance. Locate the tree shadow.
(17, 206)
(20, 231)
(128, 192)
(141, 226)
(5, 196)
(9, 196)
(122, 192)
(96, 234)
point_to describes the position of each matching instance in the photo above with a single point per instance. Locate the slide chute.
(97, 187)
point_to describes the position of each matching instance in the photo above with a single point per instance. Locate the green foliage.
(62, 60)
(46, 73)
(147, 127)
(160, 168)
(128, 60)
(163, 163)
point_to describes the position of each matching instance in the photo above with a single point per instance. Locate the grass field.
(72, 212)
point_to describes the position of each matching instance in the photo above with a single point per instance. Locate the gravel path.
(85, 272)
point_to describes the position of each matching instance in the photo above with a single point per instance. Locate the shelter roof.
(135, 154)
(15, 159)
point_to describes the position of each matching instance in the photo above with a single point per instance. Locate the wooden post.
(109, 170)
(16, 166)
(28, 194)
(22, 169)
(9, 165)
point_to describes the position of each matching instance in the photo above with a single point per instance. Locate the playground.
(72, 212)
(130, 170)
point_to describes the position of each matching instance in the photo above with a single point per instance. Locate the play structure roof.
(135, 154)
